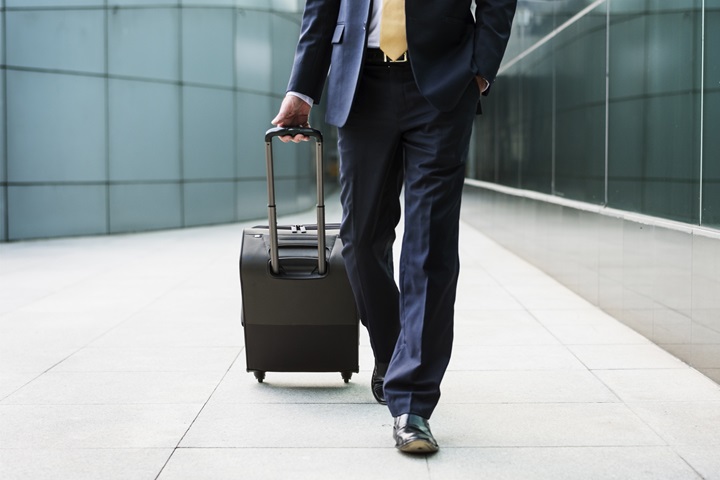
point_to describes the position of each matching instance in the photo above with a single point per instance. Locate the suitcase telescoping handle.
(272, 212)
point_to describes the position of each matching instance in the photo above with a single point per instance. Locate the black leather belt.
(375, 56)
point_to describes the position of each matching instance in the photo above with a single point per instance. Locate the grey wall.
(126, 115)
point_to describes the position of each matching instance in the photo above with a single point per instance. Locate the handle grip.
(292, 131)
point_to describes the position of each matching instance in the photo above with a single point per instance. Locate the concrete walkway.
(122, 357)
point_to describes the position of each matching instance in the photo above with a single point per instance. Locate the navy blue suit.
(403, 127)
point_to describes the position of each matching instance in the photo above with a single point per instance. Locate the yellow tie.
(392, 29)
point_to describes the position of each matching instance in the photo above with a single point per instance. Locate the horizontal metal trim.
(598, 209)
(551, 35)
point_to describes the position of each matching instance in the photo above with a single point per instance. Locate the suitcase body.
(298, 310)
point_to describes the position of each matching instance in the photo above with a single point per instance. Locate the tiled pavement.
(121, 357)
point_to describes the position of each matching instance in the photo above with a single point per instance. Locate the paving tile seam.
(687, 462)
(38, 376)
(197, 415)
(61, 449)
(444, 447)
(2, 404)
(657, 431)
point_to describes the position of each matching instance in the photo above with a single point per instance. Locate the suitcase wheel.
(346, 376)
(260, 376)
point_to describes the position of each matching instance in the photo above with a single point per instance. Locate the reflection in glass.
(602, 102)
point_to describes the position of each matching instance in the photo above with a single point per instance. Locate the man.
(403, 87)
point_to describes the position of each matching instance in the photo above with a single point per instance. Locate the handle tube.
(272, 210)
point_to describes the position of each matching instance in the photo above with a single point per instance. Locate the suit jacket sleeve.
(493, 19)
(312, 56)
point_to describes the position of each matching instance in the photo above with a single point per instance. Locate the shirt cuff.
(302, 97)
(486, 85)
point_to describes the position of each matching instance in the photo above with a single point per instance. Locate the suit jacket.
(447, 46)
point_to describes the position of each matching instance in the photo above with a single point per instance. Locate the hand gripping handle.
(292, 131)
(272, 211)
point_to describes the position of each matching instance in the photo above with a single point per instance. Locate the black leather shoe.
(412, 434)
(376, 382)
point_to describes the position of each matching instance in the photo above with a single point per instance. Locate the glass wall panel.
(711, 153)
(254, 115)
(57, 39)
(63, 111)
(209, 202)
(42, 210)
(135, 207)
(580, 116)
(144, 43)
(161, 122)
(253, 51)
(285, 31)
(499, 143)
(144, 131)
(3, 164)
(54, 3)
(536, 116)
(654, 108)
(607, 106)
(207, 46)
(208, 138)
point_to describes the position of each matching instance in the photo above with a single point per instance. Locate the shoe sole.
(418, 446)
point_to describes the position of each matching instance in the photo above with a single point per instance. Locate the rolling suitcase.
(298, 310)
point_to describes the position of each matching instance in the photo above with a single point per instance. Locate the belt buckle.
(401, 59)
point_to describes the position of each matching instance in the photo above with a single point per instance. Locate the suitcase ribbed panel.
(308, 348)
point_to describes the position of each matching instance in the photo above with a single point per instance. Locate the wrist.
(302, 97)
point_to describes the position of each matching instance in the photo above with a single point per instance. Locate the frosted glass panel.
(208, 133)
(554, 120)
(144, 207)
(48, 211)
(144, 131)
(254, 115)
(207, 203)
(61, 39)
(141, 3)
(208, 46)
(2, 32)
(288, 5)
(144, 42)
(54, 3)
(253, 57)
(252, 3)
(65, 112)
(654, 119)
(3, 215)
(285, 34)
(213, 3)
(125, 115)
(2, 131)
(252, 200)
(711, 154)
